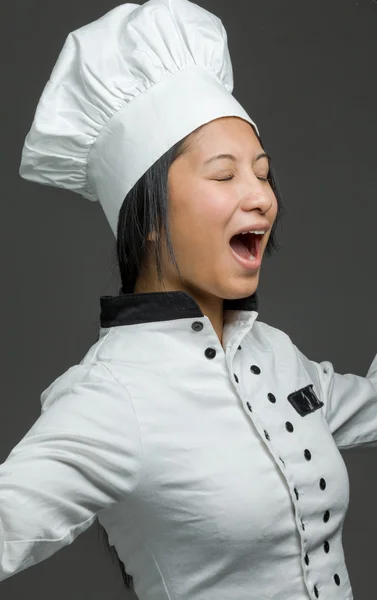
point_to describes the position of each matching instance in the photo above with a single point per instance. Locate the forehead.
(227, 134)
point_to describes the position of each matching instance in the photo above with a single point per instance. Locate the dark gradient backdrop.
(306, 72)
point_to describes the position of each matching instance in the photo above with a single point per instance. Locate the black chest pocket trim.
(305, 400)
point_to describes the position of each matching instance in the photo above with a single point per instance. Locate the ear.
(152, 237)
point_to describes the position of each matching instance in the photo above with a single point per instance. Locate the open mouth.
(246, 244)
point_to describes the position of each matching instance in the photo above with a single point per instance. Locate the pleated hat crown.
(124, 89)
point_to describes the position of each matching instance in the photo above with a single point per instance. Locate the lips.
(253, 227)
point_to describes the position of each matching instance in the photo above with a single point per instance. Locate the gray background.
(306, 73)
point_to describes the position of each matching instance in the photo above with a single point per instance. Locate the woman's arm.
(350, 402)
(81, 455)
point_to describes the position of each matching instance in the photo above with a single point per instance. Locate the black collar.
(130, 309)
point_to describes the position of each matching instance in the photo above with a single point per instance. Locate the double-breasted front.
(214, 468)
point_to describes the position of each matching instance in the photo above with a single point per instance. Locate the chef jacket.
(214, 467)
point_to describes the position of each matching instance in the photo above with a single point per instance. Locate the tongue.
(239, 247)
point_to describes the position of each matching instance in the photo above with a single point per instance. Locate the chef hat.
(125, 88)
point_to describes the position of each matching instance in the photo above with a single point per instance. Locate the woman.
(203, 440)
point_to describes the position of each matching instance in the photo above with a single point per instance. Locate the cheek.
(274, 207)
(273, 210)
(198, 217)
(213, 207)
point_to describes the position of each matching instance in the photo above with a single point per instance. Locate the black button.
(210, 353)
(282, 460)
(235, 377)
(337, 579)
(267, 436)
(239, 348)
(197, 326)
(308, 455)
(302, 525)
(316, 591)
(271, 398)
(326, 516)
(322, 484)
(255, 369)
(249, 407)
(289, 427)
(297, 495)
(306, 559)
(326, 547)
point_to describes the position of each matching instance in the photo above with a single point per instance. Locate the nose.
(260, 196)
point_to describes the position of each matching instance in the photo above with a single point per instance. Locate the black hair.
(145, 209)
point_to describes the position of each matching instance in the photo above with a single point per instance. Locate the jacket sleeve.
(80, 456)
(350, 402)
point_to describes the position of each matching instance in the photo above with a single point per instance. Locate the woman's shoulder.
(94, 372)
(268, 334)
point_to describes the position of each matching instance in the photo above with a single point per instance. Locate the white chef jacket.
(215, 469)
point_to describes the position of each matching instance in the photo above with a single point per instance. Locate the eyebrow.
(231, 157)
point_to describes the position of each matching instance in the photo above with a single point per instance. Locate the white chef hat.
(125, 88)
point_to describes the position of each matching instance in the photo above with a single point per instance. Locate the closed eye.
(229, 178)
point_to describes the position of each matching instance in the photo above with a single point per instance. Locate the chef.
(202, 439)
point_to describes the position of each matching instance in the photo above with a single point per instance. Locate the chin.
(242, 289)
